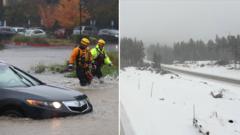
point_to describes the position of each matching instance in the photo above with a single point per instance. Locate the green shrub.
(54, 41)
(19, 38)
(34, 40)
(57, 68)
(71, 74)
(112, 71)
(114, 58)
(40, 68)
(39, 41)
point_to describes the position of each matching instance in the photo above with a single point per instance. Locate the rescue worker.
(82, 57)
(100, 58)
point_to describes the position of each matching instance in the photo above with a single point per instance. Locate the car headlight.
(38, 103)
(56, 105)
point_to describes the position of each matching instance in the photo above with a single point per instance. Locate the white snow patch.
(163, 104)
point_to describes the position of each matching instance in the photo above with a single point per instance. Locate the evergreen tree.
(157, 60)
(132, 52)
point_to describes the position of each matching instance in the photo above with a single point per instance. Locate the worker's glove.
(70, 67)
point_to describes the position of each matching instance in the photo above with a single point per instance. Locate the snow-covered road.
(214, 77)
(163, 104)
(209, 68)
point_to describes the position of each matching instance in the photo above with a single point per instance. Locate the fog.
(170, 21)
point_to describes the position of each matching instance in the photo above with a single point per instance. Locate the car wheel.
(13, 113)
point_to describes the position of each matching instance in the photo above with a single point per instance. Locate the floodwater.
(104, 97)
(26, 57)
(103, 120)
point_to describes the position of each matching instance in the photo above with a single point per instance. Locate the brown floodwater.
(104, 97)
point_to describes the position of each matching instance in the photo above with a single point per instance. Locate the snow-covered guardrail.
(214, 77)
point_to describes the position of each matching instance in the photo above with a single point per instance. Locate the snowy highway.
(155, 104)
(203, 75)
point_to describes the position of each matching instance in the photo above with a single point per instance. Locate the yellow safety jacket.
(95, 52)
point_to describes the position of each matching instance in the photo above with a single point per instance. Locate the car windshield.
(12, 77)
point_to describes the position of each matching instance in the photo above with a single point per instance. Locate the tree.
(1, 11)
(19, 12)
(157, 60)
(46, 14)
(132, 52)
(211, 47)
(67, 13)
(103, 12)
(233, 42)
(160, 53)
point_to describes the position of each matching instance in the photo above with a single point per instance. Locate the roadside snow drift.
(163, 104)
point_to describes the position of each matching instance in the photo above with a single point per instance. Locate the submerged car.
(23, 95)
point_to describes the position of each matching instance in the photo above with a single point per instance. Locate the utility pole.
(80, 15)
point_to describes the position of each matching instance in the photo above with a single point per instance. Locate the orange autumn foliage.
(46, 14)
(67, 13)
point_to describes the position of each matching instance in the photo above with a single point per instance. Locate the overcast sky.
(168, 21)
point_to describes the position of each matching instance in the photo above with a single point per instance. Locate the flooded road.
(104, 97)
(25, 57)
(103, 120)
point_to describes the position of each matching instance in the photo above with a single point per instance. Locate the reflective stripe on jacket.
(96, 51)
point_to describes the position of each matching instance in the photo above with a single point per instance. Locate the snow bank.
(163, 104)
